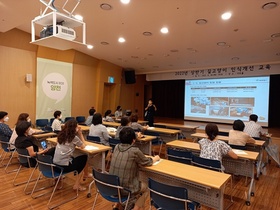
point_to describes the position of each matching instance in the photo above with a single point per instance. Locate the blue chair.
(51, 171)
(51, 121)
(169, 197)
(41, 123)
(155, 142)
(81, 120)
(26, 161)
(207, 163)
(94, 139)
(108, 186)
(113, 142)
(181, 156)
(5, 151)
(68, 118)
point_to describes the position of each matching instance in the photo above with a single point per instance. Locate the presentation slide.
(225, 100)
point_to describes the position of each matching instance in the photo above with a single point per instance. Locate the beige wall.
(90, 75)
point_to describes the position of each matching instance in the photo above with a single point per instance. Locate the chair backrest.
(46, 166)
(94, 139)
(160, 126)
(42, 123)
(237, 147)
(181, 156)
(207, 163)
(80, 119)
(108, 185)
(167, 197)
(25, 159)
(5, 146)
(113, 142)
(68, 118)
(51, 121)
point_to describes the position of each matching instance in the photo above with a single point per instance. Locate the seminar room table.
(259, 146)
(167, 131)
(204, 186)
(144, 143)
(187, 130)
(244, 165)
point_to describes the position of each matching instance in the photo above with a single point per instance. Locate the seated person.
(5, 130)
(88, 121)
(253, 128)
(56, 125)
(118, 112)
(21, 117)
(135, 125)
(97, 129)
(212, 148)
(237, 136)
(108, 116)
(124, 123)
(70, 137)
(24, 141)
(125, 163)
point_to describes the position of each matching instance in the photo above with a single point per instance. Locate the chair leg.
(9, 163)
(95, 199)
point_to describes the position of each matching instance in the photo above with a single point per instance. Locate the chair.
(94, 139)
(68, 118)
(108, 186)
(169, 197)
(238, 147)
(155, 142)
(25, 161)
(207, 163)
(5, 151)
(113, 142)
(50, 171)
(41, 123)
(181, 156)
(51, 121)
(81, 120)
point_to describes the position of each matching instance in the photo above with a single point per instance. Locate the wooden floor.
(12, 197)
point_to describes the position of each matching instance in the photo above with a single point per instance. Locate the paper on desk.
(151, 128)
(90, 147)
(239, 152)
(157, 162)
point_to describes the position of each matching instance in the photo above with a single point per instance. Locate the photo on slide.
(219, 111)
(242, 101)
(198, 104)
(241, 111)
(221, 101)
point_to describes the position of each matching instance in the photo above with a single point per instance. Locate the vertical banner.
(54, 88)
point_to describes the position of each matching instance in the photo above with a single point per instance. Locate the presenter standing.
(150, 112)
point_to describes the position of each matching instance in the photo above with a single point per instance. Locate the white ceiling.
(248, 34)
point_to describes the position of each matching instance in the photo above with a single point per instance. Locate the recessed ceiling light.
(147, 33)
(89, 46)
(121, 39)
(226, 16)
(105, 6)
(221, 43)
(79, 17)
(235, 58)
(104, 43)
(125, 1)
(269, 5)
(164, 30)
(201, 21)
(275, 35)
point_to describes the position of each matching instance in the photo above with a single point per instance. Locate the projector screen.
(225, 100)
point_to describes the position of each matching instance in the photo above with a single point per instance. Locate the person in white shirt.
(56, 125)
(21, 117)
(118, 112)
(253, 128)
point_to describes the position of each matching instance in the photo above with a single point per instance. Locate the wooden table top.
(93, 149)
(200, 176)
(164, 130)
(224, 138)
(171, 125)
(243, 154)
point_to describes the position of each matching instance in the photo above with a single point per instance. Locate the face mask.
(6, 119)
(28, 120)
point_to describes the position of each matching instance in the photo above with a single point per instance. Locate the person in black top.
(24, 141)
(150, 112)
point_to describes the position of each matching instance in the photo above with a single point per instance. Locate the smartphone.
(44, 144)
